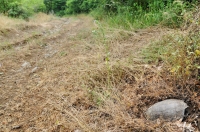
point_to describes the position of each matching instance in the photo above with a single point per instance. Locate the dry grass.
(6, 22)
(89, 78)
(41, 18)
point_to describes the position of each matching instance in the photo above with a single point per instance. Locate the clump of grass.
(6, 22)
(108, 80)
(41, 17)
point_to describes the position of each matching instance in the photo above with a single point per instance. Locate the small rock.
(17, 127)
(77, 130)
(45, 130)
(1, 113)
(26, 64)
(34, 70)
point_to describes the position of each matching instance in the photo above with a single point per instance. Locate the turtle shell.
(169, 109)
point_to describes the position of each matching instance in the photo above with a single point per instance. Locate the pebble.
(26, 64)
(77, 130)
(1, 113)
(17, 127)
(34, 70)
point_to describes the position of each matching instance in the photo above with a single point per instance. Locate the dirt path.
(40, 76)
(20, 72)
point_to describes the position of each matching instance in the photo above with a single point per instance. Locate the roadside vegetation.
(97, 65)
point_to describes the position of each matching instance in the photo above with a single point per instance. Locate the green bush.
(56, 6)
(49, 5)
(80, 6)
(5, 5)
(17, 11)
(33, 6)
(40, 8)
(59, 7)
(16, 8)
(73, 6)
(88, 5)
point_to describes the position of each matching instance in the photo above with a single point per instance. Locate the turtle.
(170, 109)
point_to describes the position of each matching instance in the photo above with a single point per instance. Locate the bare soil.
(60, 76)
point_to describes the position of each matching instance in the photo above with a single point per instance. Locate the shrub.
(5, 5)
(40, 8)
(33, 6)
(16, 10)
(59, 7)
(73, 6)
(88, 5)
(80, 6)
(56, 6)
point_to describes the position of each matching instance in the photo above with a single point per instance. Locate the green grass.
(136, 16)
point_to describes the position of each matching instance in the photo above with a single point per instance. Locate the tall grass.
(135, 16)
(6, 22)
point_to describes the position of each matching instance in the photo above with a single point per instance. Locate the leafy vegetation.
(34, 6)
(180, 52)
(55, 6)
(80, 6)
(141, 14)
(20, 8)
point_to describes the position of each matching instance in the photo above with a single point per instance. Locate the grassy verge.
(136, 16)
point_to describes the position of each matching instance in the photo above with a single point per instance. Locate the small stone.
(1, 113)
(34, 70)
(17, 127)
(77, 130)
(26, 64)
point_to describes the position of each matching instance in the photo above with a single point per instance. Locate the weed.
(6, 46)
(63, 53)
(43, 44)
